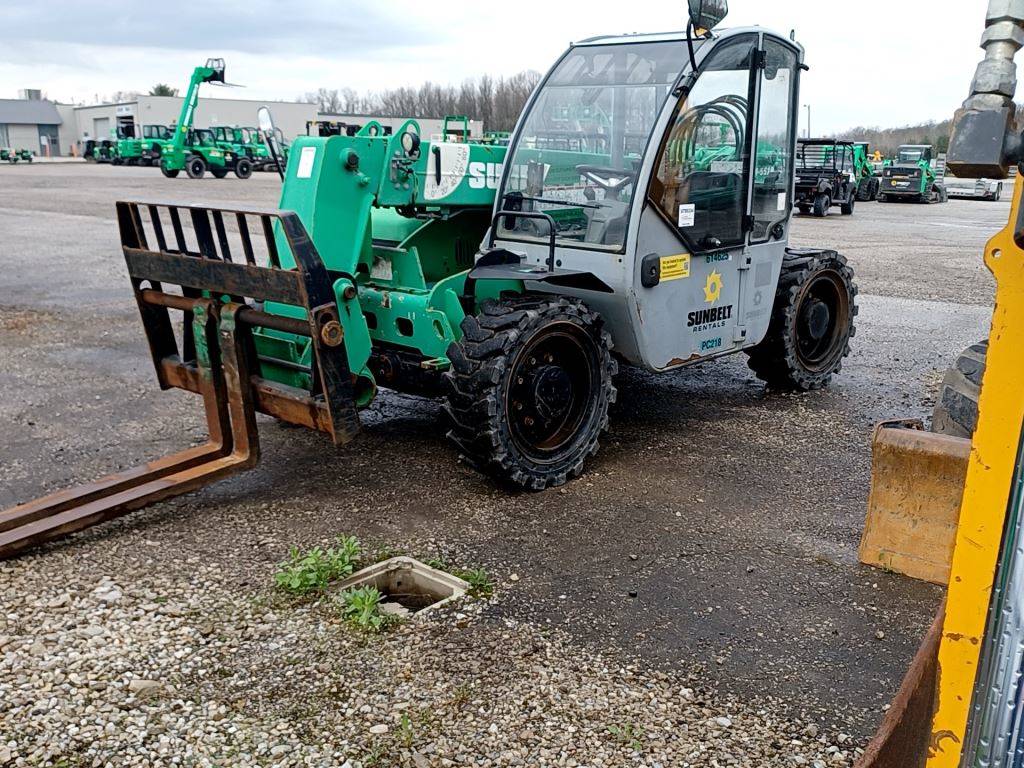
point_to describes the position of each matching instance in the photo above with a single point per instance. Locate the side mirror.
(265, 120)
(705, 15)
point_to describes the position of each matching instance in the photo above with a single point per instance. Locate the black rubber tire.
(998, 195)
(821, 206)
(956, 408)
(778, 360)
(218, 173)
(170, 174)
(195, 167)
(480, 382)
(847, 207)
(882, 198)
(243, 168)
(863, 191)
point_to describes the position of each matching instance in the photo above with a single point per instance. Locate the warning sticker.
(687, 214)
(782, 202)
(675, 267)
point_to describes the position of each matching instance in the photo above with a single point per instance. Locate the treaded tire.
(218, 173)
(243, 168)
(956, 408)
(821, 206)
(195, 167)
(778, 359)
(847, 207)
(864, 189)
(479, 385)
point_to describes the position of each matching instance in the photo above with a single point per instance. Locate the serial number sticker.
(781, 206)
(675, 267)
(727, 166)
(306, 160)
(687, 215)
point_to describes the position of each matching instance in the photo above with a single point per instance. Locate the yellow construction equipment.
(960, 705)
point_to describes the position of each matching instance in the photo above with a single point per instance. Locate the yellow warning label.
(675, 267)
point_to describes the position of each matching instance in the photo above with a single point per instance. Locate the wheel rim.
(552, 384)
(822, 315)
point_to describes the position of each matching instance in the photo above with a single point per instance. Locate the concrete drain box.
(409, 587)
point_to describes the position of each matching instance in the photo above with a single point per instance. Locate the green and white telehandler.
(196, 151)
(512, 282)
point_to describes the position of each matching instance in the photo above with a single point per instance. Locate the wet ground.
(733, 515)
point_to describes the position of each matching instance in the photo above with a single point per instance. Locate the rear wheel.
(998, 195)
(529, 389)
(956, 409)
(821, 205)
(195, 167)
(243, 168)
(812, 322)
(169, 173)
(847, 207)
(218, 173)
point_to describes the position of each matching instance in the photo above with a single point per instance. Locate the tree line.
(497, 101)
(888, 140)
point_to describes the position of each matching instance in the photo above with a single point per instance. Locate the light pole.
(808, 108)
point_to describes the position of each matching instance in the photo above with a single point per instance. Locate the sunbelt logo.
(488, 175)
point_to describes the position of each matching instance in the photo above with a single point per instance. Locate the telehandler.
(196, 151)
(510, 281)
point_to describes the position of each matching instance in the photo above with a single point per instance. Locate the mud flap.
(917, 481)
(221, 302)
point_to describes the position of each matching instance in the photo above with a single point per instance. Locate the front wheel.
(812, 322)
(218, 173)
(529, 389)
(195, 167)
(821, 206)
(168, 172)
(243, 168)
(847, 207)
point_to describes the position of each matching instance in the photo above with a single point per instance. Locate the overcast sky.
(873, 62)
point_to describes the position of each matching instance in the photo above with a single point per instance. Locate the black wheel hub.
(552, 391)
(817, 317)
(821, 318)
(551, 387)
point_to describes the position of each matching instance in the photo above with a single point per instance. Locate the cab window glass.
(773, 160)
(703, 170)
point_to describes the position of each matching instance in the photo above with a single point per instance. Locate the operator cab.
(665, 165)
(912, 154)
(158, 132)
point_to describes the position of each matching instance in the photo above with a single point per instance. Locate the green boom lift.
(193, 151)
(509, 281)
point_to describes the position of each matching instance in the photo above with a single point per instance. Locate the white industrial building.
(48, 127)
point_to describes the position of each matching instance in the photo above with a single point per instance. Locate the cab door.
(713, 231)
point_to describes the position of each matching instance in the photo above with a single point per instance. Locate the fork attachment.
(220, 300)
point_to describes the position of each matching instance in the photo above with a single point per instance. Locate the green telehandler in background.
(868, 183)
(196, 151)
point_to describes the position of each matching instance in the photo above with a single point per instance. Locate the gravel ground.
(139, 667)
(710, 548)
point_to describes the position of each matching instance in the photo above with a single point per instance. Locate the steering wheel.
(599, 174)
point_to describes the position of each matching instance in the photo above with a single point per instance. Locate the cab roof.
(679, 36)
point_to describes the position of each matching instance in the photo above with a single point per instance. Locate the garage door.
(101, 127)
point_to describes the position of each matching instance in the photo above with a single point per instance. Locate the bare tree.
(495, 101)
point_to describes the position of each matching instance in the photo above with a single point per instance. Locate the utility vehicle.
(511, 282)
(826, 175)
(913, 178)
(14, 155)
